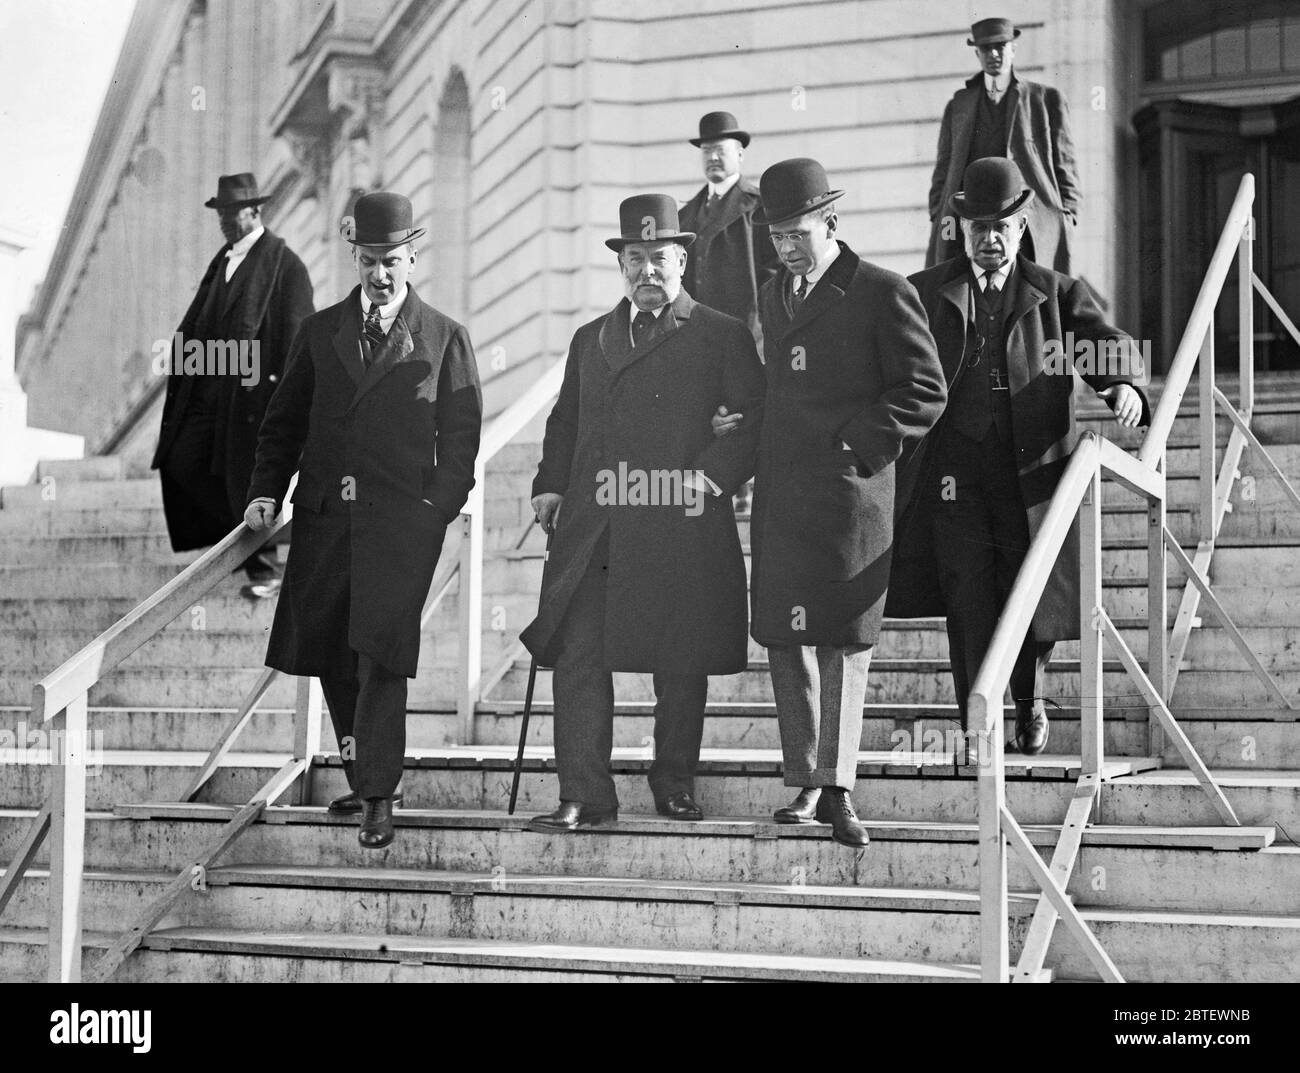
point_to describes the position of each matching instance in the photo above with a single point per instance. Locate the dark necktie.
(642, 323)
(991, 287)
(711, 206)
(374, 333)
(801, 291)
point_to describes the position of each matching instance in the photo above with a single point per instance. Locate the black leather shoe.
(573, 816)
(680, 806)
(376, 822)
(261, 590)
(835, 808)
(803, 809)
(349, 803)
(1031, 727)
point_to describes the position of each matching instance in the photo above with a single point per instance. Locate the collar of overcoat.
(743, 197)
(615, 339)
(1030, 288)
(828, 291)
(398, 346)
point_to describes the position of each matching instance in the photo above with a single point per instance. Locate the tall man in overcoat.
(998, 114)
(852, 380)
(1009, 332)
(253, 295)
(645, 572)
(379, 412)
(731, 257)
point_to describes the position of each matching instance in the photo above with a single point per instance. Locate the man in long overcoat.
(249, 304)
(1011, 334)
(998, 114)
(852, 378)
(379, 412)
(645, 572)
(731, 257)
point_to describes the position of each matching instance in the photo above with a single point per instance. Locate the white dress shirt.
(993, 89)
(817, 273)
(239, 250)
(720, 189)
(388, 313)
(999, 275)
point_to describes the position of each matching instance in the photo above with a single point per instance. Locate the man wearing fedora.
(998, 114)
(852, 381)
(255, 291)
(379, 412)
(985, 475)
(635, 582)
(731, 257)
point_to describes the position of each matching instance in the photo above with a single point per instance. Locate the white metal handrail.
(1079, 494)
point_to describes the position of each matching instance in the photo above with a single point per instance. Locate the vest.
(989, 138)
(982, 397)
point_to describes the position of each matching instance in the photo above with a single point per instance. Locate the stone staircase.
(467, 893)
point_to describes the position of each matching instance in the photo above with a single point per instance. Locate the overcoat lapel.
(1027, 297)
(347, 340)
(730, 209)
(829, 290)
(1013, 110)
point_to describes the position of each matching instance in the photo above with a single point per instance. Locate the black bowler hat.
(793, 188)
(717, 125)
(235, 190)
(649, 218)
(992, 32)
(992, 189)
(384, 220)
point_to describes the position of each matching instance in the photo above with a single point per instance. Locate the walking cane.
(528, 710)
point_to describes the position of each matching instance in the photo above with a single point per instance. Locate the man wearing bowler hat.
(985, 475)
(645, 571)
(379, 412)
(852, 381)
(731, 257)
(998, 114)
(250, 302)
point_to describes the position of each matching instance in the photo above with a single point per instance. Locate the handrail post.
(1246, 317)
(306, 734)
(1157, 613)
(1209, 476)
(995, 947)
(1091, 687)
(67, 840)
(470, 656)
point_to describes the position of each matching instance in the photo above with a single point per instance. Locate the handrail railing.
(61, 699)
(1078, 493)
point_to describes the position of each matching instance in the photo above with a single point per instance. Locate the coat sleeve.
(941, 162)
(915, 390)
(284, 428)
(1117, 357)
(561, 438)
(730, 461)
(459, 419)
(1063, 163)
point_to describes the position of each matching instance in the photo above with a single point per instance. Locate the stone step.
(1177, 868)
(94, 468)
(215, 955)
(726, 918)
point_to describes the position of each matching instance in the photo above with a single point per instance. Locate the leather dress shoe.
(376, 822)
(680, 806)
(261, 590)
(1031, 727)
(573, 816)
(803, 809)
(350, 803)
(835, 807)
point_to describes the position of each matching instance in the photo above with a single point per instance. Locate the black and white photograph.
(651, 491)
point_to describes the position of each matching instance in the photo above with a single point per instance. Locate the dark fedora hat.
(235, 190)
(992, 189)
(383, 219)
(649, 218)
(992, 32)
(792, 188)
(717, 125)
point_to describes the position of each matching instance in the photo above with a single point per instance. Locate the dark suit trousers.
(367, 704)
(584, 706)
(187, 472)
(981, 536)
